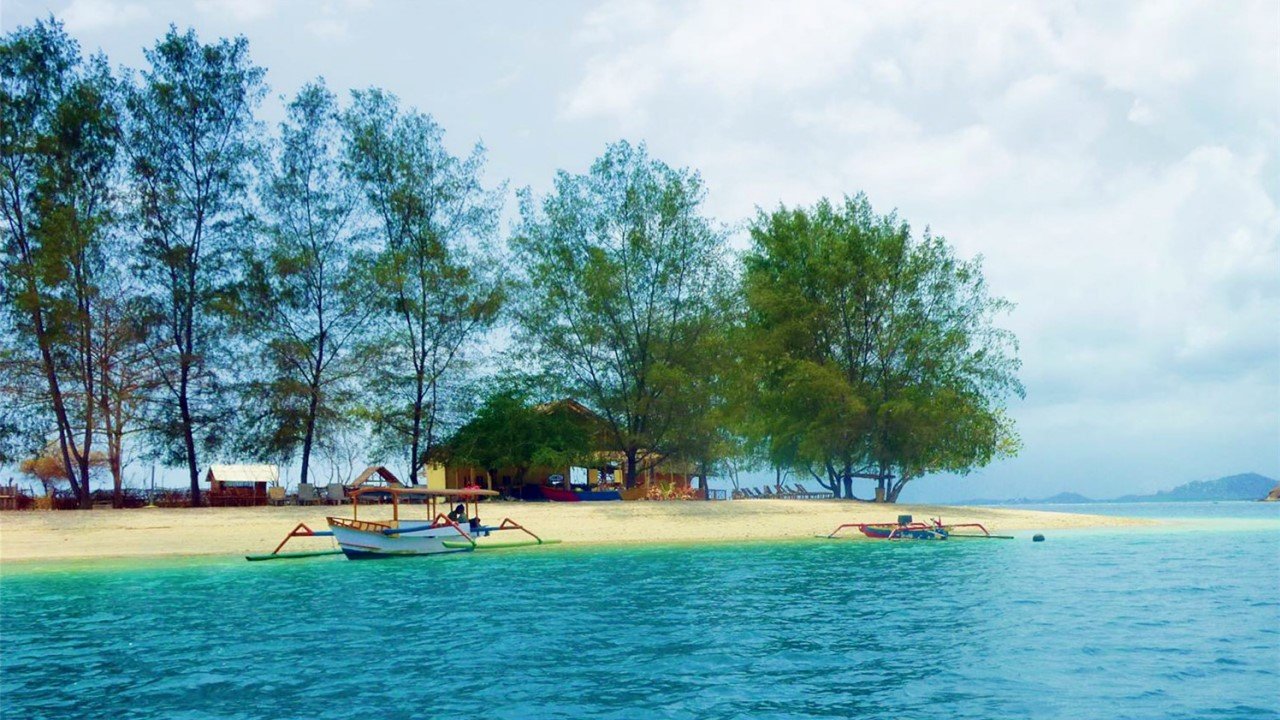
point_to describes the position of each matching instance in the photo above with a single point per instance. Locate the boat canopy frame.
(431, 497)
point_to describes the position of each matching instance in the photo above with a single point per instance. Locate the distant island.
(1246, 486)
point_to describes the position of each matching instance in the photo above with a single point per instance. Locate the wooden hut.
(604, 469)
(240, 484)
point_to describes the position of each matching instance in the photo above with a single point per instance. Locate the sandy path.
(235, 531)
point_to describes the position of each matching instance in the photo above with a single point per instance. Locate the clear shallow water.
(1171, 623)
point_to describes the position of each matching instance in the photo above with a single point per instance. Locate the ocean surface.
(1176, 621)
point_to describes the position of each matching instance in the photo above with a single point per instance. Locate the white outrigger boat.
(436, 534)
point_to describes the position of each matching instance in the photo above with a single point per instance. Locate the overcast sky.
(1116, 164)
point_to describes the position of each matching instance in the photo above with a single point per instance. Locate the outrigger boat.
(437, 534)
(906, 529)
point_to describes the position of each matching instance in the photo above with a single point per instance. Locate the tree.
(624, 284)
(60, 142)
(125, 373)
(439, 286)
(192, 137)
(49, 469)
(508, 432)
(307, 293)
(876, 353)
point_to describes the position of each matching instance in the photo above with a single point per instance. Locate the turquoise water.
(1177, 622)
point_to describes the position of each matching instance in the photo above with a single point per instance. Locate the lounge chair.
(788, 493)
(307, 494)
(275, 495)
(813, 495)
(767, 492)
(335, 494)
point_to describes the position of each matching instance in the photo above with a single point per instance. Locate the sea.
(1175, 620)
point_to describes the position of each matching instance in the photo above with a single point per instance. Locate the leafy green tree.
(307, 295)
(875, 353)
(192, 139)
(60, 136)
(508, 432)
(439, 284)
(624, 287)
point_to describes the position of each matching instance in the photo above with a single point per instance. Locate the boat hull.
(372, 542)
(562, 495)
(885, 532)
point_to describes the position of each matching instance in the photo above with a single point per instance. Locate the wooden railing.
(361, 525)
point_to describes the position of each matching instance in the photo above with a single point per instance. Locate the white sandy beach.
(34, 536)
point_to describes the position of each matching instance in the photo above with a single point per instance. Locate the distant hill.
(1063, 498)
(1066, 498)
(1246, 486)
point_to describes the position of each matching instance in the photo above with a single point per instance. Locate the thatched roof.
(388, 478)
(242, 473)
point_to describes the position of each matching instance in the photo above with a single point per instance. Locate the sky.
(1117, 165)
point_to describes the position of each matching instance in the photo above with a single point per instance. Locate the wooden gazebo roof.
(382, 472)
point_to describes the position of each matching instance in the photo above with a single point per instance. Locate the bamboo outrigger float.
(438, 533)
(906, 529)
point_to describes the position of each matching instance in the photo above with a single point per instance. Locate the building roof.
(425, 492)
(381, 471)
(243, 473)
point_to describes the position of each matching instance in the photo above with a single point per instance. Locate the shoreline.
(32, 537)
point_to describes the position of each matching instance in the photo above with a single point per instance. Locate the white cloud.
(333, 21)
(1140, 113)
(618, 21)
(91, 15)
(887, 72)
(615, 87)
(328, 28)
(241, 11)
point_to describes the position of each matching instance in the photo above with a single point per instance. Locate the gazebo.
(240, 484)
(375, 475)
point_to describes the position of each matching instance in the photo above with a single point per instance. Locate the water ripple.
(1143, 625)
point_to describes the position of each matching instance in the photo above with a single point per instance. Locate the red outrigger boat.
(906, 529)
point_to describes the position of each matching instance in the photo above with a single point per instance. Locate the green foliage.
(192, 139)
(365, 286)
(508, 432)
(440, 285)
(875, 353)
(625, 287)
(60, 135)
(307, 295)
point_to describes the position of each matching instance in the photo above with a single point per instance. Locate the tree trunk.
(65, 439)
(896, 488)
(311, 430)
(416, 433)
(117, 483)
(86, 498)
(188, 437)
(188, 432)
(831, 482)
(632, 470)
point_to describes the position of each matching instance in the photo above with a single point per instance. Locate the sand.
(151, 532)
